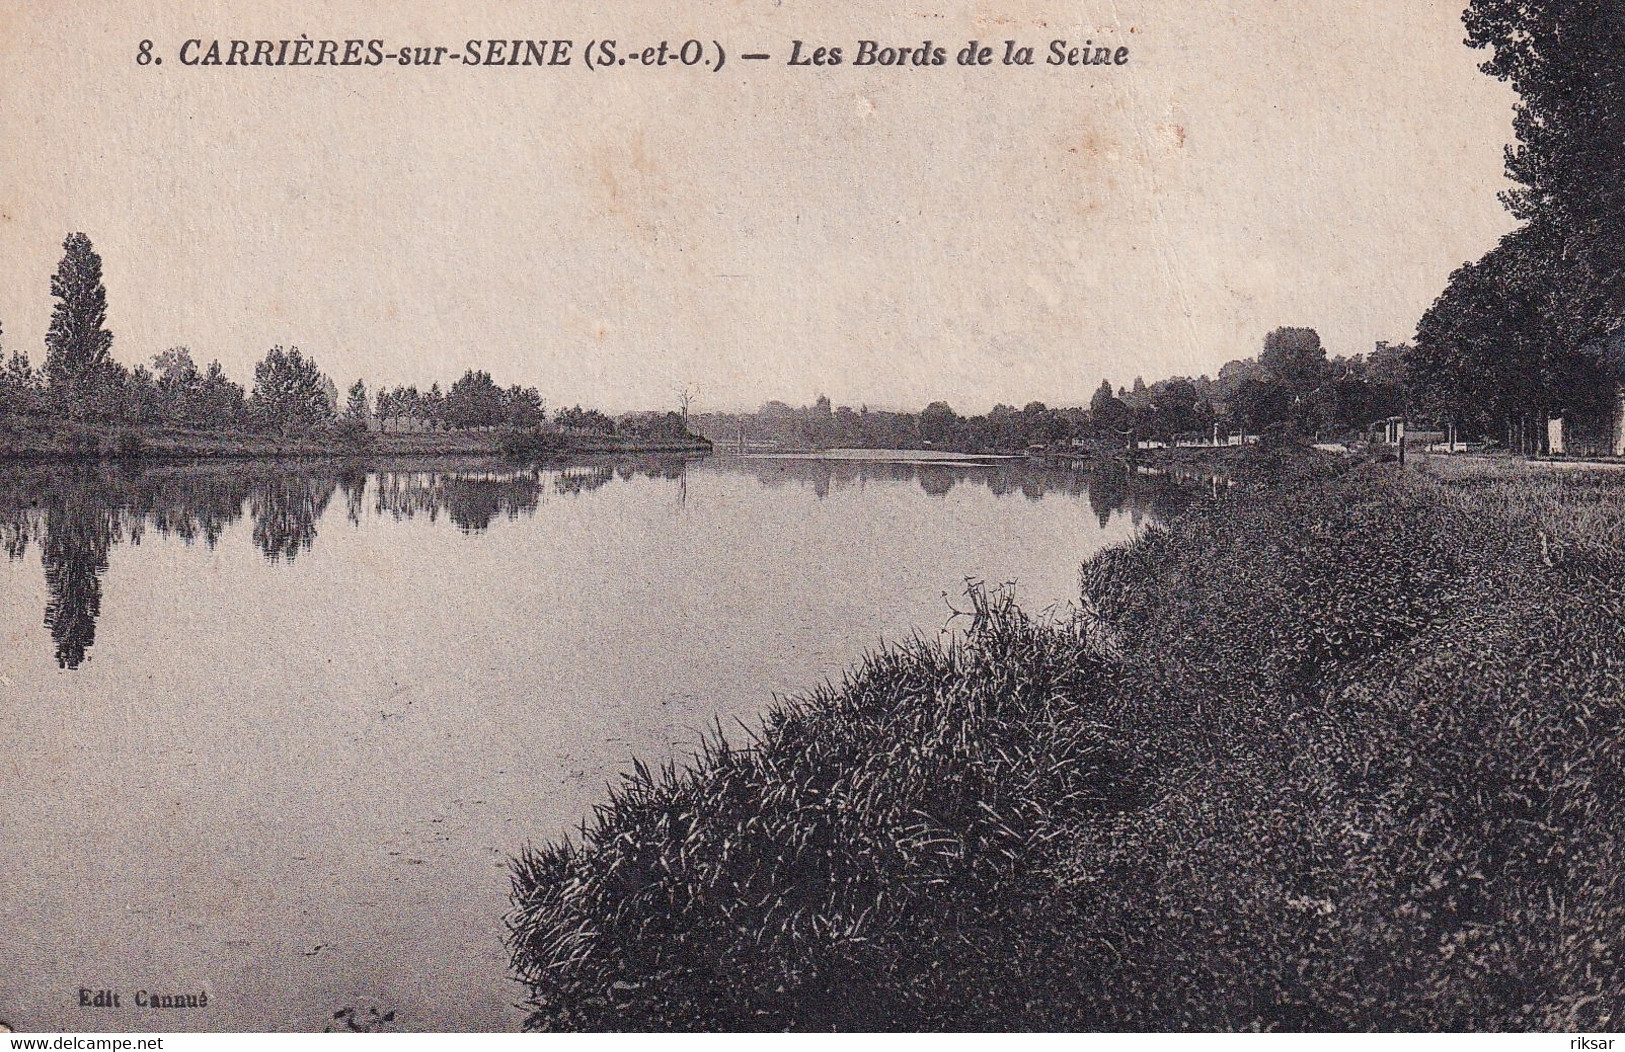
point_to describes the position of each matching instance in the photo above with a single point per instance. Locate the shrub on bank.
(522, 442)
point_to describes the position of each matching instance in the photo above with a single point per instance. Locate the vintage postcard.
(971, 515)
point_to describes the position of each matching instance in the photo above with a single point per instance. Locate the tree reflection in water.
(19, 526)
(472, 500)
(76, 514)
(285, 509)
(583, 480)
(1108, 486)
(353, 483)
(78, 534)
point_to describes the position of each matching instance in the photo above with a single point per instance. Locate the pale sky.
(883, 235)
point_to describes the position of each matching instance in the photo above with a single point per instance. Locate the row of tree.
(1292, 387)
(82, 382)
(475, 401)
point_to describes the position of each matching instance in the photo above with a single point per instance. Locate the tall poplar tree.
(76, 344)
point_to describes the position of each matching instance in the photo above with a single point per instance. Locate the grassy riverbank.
(1339, 748)
(36, 439)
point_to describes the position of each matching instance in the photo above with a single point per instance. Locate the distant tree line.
(1291, 388)
(81, 382)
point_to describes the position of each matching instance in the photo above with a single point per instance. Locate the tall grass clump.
(1340, 748)
(862, 861)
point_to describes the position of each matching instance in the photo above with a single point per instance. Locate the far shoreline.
(57, 444)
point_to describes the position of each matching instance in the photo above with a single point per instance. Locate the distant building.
(1395, 429)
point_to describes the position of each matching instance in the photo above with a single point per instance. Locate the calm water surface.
(271, 732)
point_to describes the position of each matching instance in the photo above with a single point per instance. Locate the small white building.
(1577, 436)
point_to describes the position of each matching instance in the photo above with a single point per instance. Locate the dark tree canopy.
(939, 424)
(590, 421)
(1296, 359)
(1107, 409)
(1516, 335)
(1479, 347)
(290, 391)
(1566, 61)
(474, 401)
(1259, 405)
(1513, 336)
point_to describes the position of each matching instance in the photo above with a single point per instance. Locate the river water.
(272, 731)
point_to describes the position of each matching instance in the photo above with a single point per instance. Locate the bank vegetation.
(1337, 747)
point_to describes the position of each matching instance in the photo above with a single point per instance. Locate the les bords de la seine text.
(609, 54)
